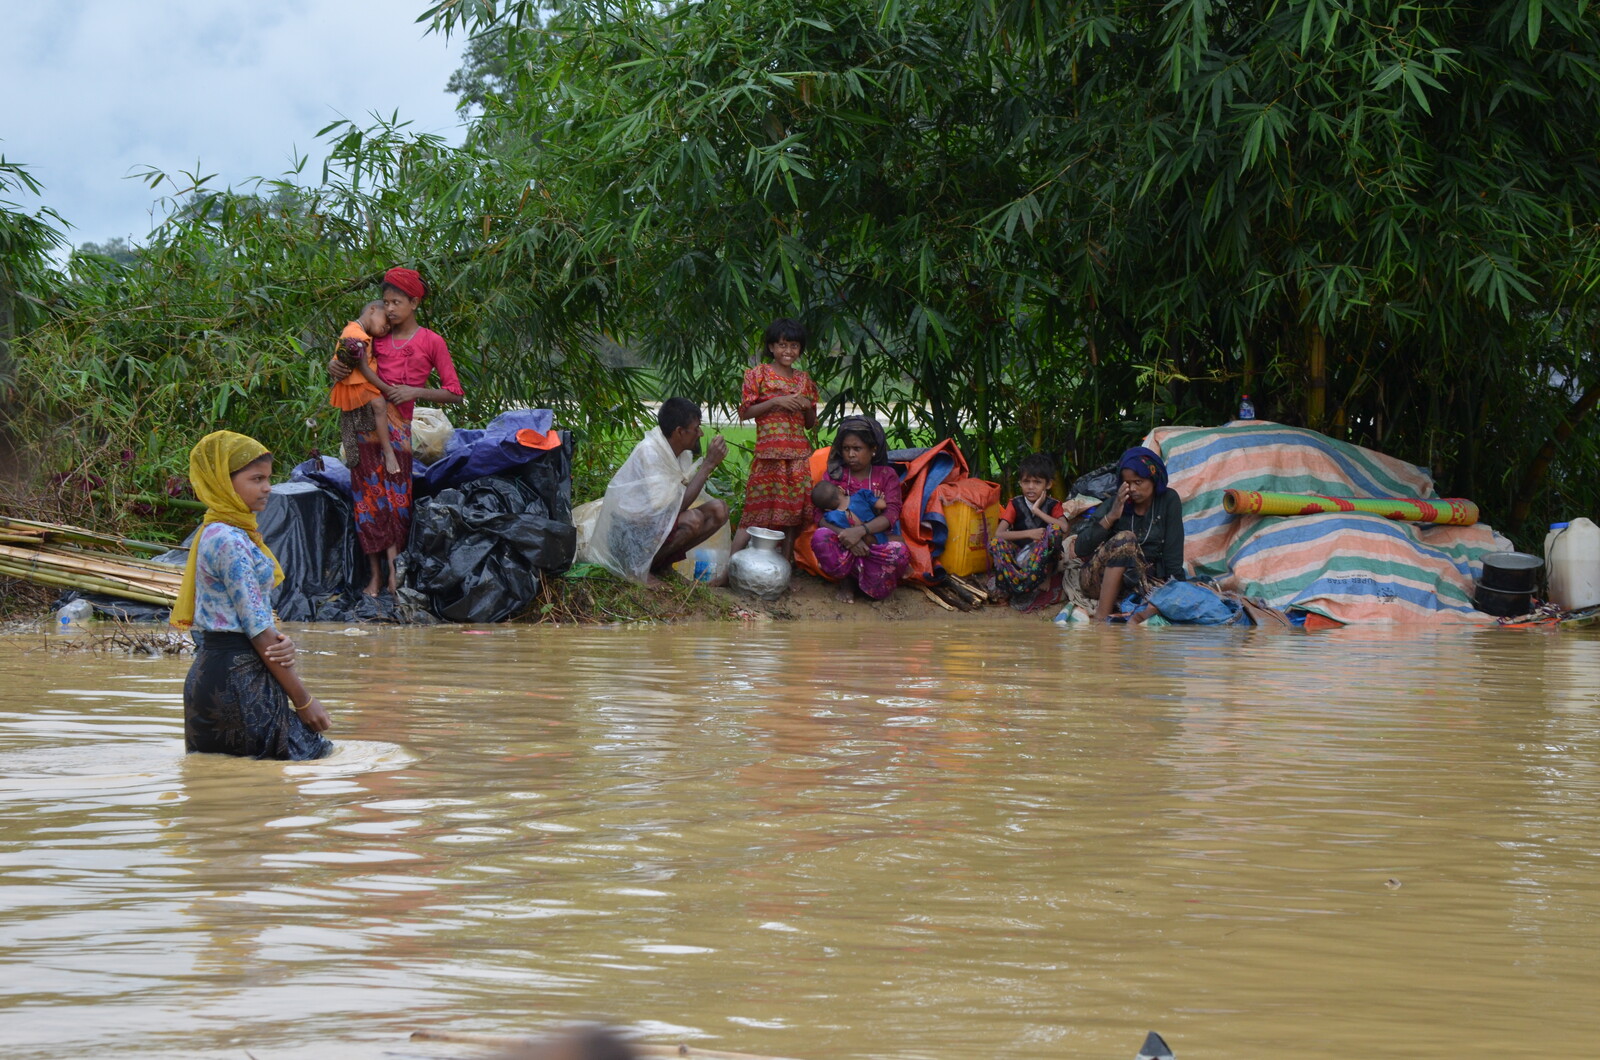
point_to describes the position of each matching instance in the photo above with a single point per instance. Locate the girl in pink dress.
(405, 360)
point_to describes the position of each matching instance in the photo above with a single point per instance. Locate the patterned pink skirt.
(878, 572)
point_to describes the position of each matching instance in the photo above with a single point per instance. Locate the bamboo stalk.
(144, 568)
(971, 587)
(73, 572)
(36, 561)
(79, 534)
(42, 558)
(60, 581)
(154, 594)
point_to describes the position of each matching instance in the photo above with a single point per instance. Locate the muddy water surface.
(821, 841)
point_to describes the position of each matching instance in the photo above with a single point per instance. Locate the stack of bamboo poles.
(69, 557)
(956, 594)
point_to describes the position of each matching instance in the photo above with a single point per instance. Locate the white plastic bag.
(623, 531)
(430, 434)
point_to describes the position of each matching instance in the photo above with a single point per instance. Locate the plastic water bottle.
(1549, 542)
(705, 564)
(1247, 408)
(74, 615)
(1575, 566)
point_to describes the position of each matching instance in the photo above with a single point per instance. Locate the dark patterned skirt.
(232, 705)
(1119, 550)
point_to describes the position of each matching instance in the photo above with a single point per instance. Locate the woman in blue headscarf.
(1135, 540)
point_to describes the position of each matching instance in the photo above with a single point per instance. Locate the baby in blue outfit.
(841, 512)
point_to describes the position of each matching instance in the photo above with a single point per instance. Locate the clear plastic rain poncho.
(623, 531)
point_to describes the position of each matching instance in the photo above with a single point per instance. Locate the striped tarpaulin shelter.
(1354, 567)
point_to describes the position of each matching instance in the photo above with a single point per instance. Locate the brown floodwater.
(909, 840)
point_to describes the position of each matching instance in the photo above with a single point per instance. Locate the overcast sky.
(94, 90)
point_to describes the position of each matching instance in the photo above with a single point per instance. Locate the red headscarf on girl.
(408, 281)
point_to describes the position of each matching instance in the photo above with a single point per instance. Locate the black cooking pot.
(1511, 572)
(1507, 584)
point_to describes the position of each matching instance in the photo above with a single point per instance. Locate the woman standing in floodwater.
(405, 359)
(243, 696)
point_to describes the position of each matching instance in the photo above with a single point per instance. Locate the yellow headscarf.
(212, 463)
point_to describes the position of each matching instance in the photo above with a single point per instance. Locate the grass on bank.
(589, 595)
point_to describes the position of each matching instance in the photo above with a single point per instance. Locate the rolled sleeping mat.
(1443, 511)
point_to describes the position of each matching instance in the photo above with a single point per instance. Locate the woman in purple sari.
(860, 461)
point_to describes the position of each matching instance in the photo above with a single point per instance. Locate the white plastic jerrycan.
(1575, 566)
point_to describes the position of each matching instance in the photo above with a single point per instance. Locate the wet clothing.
(233, 582)
(212, 464)
(1158, 535)
(233, 705)
(780, 479)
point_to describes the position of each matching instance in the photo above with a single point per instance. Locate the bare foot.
(370, 589)
(390, 464)
(845, 593)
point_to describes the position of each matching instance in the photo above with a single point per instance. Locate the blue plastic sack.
(1188, 604)
(326, 471)
(491, 451)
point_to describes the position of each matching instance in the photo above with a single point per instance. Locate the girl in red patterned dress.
(783, 401)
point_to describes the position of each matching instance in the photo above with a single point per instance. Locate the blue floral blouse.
(233, 582)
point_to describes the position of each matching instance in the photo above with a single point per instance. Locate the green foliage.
(26, 281)
(227, 315)
(1022, 223)
(1058, 223)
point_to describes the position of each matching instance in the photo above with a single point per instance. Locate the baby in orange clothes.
(359, 395)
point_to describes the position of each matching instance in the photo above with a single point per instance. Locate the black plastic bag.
(477, 551)
(1102, 482)
(549, 474)
(311, 529)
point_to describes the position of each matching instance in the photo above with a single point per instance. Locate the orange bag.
(925, 519)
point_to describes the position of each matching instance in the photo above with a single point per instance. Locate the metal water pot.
(760, 569)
